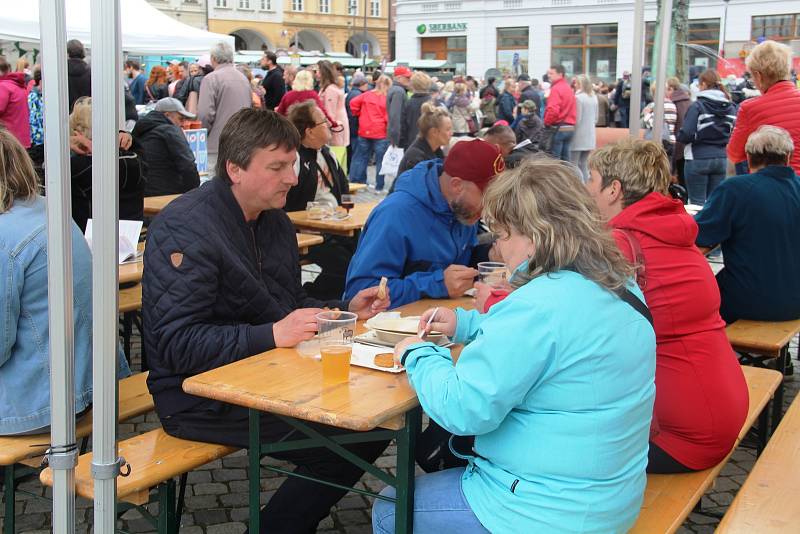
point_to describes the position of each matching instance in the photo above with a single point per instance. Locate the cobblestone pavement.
(217, 494)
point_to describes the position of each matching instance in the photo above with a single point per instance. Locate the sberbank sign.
(447, 27)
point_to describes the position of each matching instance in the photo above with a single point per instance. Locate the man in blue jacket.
(422, 236)
(222, 283)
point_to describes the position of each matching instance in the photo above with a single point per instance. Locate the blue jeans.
(364, 149)
(702, 177)
(561, 143)
(439, 506)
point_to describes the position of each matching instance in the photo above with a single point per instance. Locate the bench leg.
(763, 428)
(404, 505)
(137, 320)
(9, 485)
(166, 508)
(777, 402)
(127, 332)
(181, 498)
(254, 475)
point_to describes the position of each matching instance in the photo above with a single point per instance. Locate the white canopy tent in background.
(145, 29)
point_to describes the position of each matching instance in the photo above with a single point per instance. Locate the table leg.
(254, 454)
(404, 506)
(8, 489)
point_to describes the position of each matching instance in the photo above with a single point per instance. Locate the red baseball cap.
(402, 71)
(475, 161)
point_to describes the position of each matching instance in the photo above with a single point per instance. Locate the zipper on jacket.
(514, 485)
(255, 248)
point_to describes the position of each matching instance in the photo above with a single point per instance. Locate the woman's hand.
(401, 347)
(125, 140)
(444, 322)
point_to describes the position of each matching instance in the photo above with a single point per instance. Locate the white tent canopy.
(145, 29)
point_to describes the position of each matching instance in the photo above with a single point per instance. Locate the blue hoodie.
(411, 238)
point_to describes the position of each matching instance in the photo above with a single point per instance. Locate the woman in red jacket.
(778, 105)
(701, 394)
(370, 108)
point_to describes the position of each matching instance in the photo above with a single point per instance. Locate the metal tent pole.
(63, 453)
(665, 21)
(636, 70)
(106, 96)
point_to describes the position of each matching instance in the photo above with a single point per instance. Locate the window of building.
(324, 6)
(512, 50)
(374, 8)
(452, 49)
(703, 38)
(297, 5)
(352, 7)
(244, 4)
(776, 27)
(586, 49)
(266, 5)
(222, 3)
(429, 7)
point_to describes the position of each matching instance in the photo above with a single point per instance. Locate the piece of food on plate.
(384, 359)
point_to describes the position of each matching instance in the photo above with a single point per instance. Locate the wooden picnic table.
(347, 227)
(132, 272)
(290, 386)
(154, 205)
(356, 187)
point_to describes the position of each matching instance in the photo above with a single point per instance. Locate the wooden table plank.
(304, 241)
(356, 187)
(347, 227)
(154, 205)
(130, 299)
(761, 337)
(132, 272)
(281, 381)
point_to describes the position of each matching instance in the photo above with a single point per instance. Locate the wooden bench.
(155, 459)
(759, 341)
(766, 502)
(19, 451)
(669, 499)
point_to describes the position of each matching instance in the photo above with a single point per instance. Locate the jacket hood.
(422, 183)
(716, 101)
(679, 95)
(15, 77)
(149, 122)
(663, 218)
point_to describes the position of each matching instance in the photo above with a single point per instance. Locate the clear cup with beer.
(336, 330)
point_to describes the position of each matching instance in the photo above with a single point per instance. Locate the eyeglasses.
(321, 123)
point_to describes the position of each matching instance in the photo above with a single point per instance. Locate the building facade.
(324, 25)
(593, 37)
(191, 12)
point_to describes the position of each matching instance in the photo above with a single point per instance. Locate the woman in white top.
(584, 141)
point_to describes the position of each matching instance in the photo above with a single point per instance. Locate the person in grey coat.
(222, 93)
(584, 140)
(395, 101)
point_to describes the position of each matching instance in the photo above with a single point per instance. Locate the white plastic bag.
(391, 161)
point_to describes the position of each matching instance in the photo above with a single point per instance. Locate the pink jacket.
(14, 106)
(333, 102)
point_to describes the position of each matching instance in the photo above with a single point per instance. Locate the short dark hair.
(133, 64)
(490, 80)
(302, 116)
(559, 68)
(75, 49)
(375, 75)
(250, 129)
(272, 57)
(4, 66)
(500, 129)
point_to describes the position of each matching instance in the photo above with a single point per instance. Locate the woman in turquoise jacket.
(556, 381)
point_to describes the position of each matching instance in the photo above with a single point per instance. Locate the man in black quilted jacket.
(222, 283)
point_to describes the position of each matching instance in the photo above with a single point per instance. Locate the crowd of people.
(602, 359)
